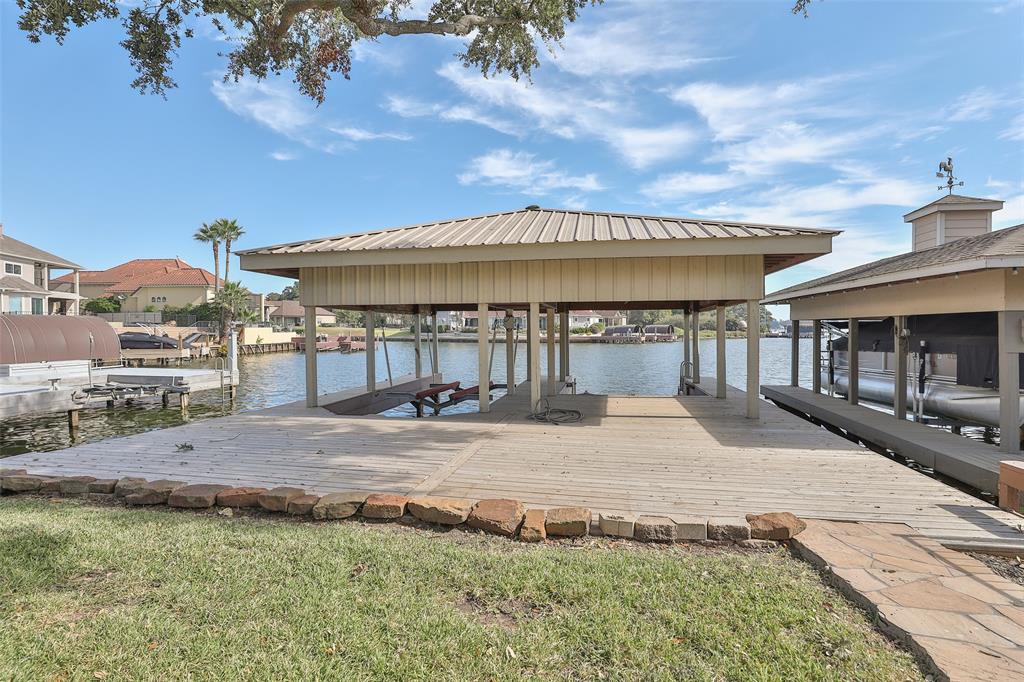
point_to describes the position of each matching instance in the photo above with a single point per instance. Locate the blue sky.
(729, 110)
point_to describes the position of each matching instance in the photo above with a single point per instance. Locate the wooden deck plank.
(630, 454)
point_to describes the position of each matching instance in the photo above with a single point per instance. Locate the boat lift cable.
(387, 359)
(546, 414)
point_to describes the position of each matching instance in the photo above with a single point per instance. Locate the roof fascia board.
(992, 205)
(817, 244)
(892, 278)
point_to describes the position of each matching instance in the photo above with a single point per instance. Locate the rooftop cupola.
(952, 217)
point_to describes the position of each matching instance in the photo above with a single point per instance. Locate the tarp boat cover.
(52, 338)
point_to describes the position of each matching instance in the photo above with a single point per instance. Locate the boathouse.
(545, 262)
(954, 305)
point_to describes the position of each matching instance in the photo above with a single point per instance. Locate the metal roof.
(534, 225)
(993, 249)
(9, 246)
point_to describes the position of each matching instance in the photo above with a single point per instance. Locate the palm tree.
(209, 234)
(229, 231)
(233, 299)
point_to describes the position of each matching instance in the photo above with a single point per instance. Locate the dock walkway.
(962, 459)
(654, 455)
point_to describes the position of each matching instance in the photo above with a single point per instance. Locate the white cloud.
(278, 106)
(793, 143)
(674, 186)
(642, 147)
(361, 134)
(283, 156)
(1016, 130)
(274, 106)
(977, 105)
(523, 172)
(734, 112)
(409, 107)
(638, 44)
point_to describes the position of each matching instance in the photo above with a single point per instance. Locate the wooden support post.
(183, 400)
(531, 337)
(899, 405)
(510, 355)
(695, 325)
(753, 359)
(434, 348)
(794, 355)
(484, 374)
(1009, 333)
(73, 415)
(418, 344)
(853, 362)
(563, 344)
(720, 388)
(686, 345)
(311, 390)
(550, 339)
(371, 353)
(533, 362)
(816, 356)
(165, 399)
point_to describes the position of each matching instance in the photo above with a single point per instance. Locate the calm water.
(268, 380)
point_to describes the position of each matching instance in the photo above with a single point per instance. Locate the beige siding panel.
(502, 282)
(517, 290)
(570, 280)
(534, 281)
(668, 279)
(698, 270)
(552, 280)
(641, 288)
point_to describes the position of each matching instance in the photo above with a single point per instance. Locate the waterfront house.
(152, 284)
(25, 285)
(291, 314)
(954, 304)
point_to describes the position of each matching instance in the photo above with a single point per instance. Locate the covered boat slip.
(629, 455)
(546, 262)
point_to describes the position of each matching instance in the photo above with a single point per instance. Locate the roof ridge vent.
(533, 207)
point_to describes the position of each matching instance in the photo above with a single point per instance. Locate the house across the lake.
(291, 314)
(25, 286)
(147, 284)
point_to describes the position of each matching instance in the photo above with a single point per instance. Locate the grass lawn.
(95, 592)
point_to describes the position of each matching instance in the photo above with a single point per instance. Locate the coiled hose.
(554, 415)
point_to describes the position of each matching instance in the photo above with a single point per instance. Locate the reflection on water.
(273, 379)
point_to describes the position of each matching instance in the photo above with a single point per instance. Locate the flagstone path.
(962, 620)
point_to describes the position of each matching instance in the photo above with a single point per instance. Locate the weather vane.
(946, 171)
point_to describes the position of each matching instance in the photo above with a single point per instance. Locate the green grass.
(90, 592)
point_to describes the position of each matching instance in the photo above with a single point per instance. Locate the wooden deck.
(962, 459)
(692, 455)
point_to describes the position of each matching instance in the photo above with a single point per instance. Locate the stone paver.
(654, 529)
(533, 526)
(501, 517)
(277, 499)
(728, 528)
(243, 496)
(384, 506)
(154, 492)
(196, 496)
(775, 526)
(448, 511)
(339, 505)
(616, 525)
(962, 620)
(303, 505)
(568, 522)
(691, 527)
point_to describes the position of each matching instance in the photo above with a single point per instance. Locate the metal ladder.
(827, 358)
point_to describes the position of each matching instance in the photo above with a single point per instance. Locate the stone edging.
(504, 517)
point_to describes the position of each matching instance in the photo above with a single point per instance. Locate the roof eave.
(803, 246)
(946, 269)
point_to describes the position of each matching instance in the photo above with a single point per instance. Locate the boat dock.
(959, 458)
(707, 458)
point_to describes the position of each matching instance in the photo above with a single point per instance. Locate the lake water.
(277, 378)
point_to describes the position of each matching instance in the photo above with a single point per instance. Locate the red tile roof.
(119, 273)
(166, 277)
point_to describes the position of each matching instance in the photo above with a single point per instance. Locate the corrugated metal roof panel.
(536, 226)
